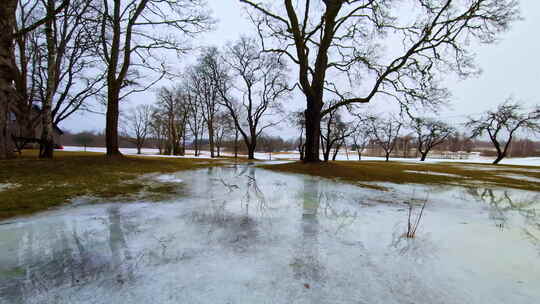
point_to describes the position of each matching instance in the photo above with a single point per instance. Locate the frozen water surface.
(247, 235)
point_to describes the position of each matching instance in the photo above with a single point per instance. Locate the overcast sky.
(510, 68)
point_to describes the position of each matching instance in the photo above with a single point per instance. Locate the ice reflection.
(246, 235)
(306, 264)
(512, 208)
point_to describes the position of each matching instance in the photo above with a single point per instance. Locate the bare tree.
(195, 122)
(298, 121)
(348, 38)
(131, 32)
(260, 81)
(385, 132)
(9, 72)
(502, 124)
(361, 137)
(27, 56)
(201, 83)
(174, 110)
(137, 125)
(430, 133)
(158, 129)
(66, 76)
(224, 126)
(333, 133)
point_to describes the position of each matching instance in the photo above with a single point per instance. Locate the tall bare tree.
(348, 38)
(137, 125)
(334, 132)
(158, 129)
(430, 133)
(131, 33)
(195, 122)
(385, 132)
(260, 81)
(224, 127)
(66, 76)
(205, 91)
(173, 109)
(9, 71)
(27, 58)
(502, 124)
(298, 121)
(76, 77)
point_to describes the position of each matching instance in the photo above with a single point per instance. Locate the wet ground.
(247, 235)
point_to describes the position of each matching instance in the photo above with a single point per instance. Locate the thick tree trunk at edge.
(111, 128)
(313, 131)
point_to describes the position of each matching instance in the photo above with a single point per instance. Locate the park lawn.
(36, 185)
(371, 174)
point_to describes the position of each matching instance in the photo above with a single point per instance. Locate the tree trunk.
(359, 154)
(183, 149)
(47, 141)
(498, 159)
(7, 73)
(423, 157)
(251, 152)
(313, 130)
(196, 146)
(336, 151)
(111, 128)
(138, 149)
(387, 156)
(211, 137)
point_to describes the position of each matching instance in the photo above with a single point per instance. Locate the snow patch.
(432, 173)
(168, 178)
(7, 186)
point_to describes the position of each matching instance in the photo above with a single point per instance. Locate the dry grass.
(369, 173)
(40, 184)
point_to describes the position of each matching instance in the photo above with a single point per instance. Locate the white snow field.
(242, 234)
(525, 161)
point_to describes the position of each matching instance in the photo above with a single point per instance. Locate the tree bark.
(47, 141)
(7, 73)
(423, 157)
(111, 127)
(387, 156)
(336, 151)
(211, 137)
(251, 151)
(313, 130)
(498, 159)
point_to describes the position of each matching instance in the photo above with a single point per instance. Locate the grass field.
(31, 184)
(370, 173)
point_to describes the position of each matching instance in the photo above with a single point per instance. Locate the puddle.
(247, 235)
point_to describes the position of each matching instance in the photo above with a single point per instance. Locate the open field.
(293, 155)
(28, 184)
(371, 173)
